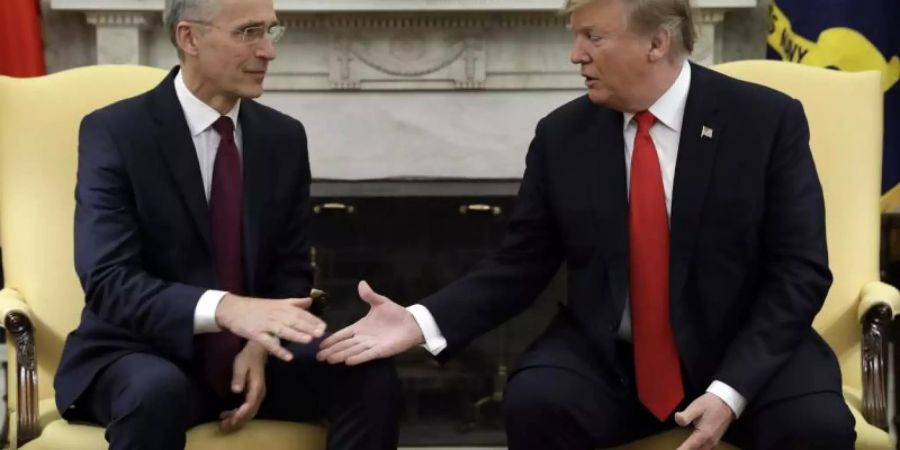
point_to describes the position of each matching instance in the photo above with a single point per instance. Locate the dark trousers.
(147, 402)
(550, 408)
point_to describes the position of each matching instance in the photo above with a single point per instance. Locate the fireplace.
(408, 238)
(425, 88)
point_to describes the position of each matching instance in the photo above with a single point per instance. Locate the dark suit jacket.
(748, 264)
(142, 231)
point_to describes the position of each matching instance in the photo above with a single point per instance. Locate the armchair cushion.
(868, 437)
(263, 434)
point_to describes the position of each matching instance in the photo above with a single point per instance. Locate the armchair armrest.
(879, 303)
(875, 294)
(17, 321)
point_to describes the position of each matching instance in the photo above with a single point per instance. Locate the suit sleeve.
(108, 252)
(794, 262)
(510, 280)
(290, 273)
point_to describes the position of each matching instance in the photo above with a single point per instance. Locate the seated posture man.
(192, 198)
(687, 209)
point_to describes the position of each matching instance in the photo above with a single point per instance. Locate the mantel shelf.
(314, 6)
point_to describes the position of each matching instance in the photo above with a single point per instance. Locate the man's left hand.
(248, 376)
(710, 417)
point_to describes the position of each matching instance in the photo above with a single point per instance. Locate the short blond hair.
(646, 16)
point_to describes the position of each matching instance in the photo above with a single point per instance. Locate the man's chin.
(598, 97)
(251, 91)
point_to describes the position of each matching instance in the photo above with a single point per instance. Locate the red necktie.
(657, 367)
(225, 225)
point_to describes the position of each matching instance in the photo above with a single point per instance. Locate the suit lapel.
(177, 148)
(605, 147)
(255, 174)
(696, 157)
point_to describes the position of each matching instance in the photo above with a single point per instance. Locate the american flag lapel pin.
(706, 132)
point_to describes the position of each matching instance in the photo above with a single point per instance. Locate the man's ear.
(660, 44)
(186, 37)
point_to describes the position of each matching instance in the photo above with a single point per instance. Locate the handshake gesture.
(387, 330)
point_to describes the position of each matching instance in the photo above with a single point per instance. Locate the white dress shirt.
(665, 132)
(200, 117)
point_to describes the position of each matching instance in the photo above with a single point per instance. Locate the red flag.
(21, 47)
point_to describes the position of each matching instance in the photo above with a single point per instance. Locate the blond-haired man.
(687, 209)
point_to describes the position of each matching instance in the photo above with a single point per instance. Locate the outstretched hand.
(267, 321)
(388, 329)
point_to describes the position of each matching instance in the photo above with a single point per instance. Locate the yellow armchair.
(42, 299)
(845, 121)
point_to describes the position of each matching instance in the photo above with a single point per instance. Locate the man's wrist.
(735, 401)
(430, 336)
(223, 310)
(205, 312)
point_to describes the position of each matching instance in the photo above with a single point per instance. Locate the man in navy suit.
(687, 209)
(191, 243)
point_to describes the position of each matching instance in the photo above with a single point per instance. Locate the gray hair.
(179, 10)
(647, 16)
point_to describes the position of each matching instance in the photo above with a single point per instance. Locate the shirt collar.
(669, 108)
(199, 115)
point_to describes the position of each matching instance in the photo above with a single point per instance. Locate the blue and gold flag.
(850, 35)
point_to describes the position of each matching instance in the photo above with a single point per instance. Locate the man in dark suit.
(191, 233)
(689, 289)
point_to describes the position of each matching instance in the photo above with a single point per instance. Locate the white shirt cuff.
(205, 313)
(434, 340)
(731, 397)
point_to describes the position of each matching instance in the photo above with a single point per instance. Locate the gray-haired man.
(191, 244)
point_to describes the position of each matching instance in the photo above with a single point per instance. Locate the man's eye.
(253, 32)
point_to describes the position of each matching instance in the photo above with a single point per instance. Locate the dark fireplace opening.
(409, 238)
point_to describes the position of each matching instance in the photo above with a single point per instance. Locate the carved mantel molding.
(393, 44)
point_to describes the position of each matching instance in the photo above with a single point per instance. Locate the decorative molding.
(531, 21)
(426, 57)
(329, 22)
(341, 57)
(708, 44)
(474, 72)
(336, 5)
(375, 5)
(395, 44)
(404, 52)
(120, 19)
(385, 22)
(121, 36)
(709, 15)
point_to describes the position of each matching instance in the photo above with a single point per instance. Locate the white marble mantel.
(394, 44)
(439, 87)
(371, 5)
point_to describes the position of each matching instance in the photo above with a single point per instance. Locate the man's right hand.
(388, 329)
(266, 321)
